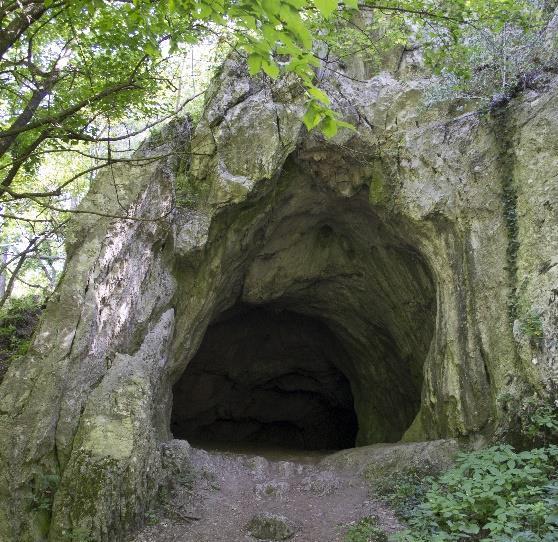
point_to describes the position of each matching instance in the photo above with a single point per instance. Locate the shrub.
(496, 494)
(45, 487)
(366, 530)
(17, 323)
(539, 422)
(532, 327)
(492, 66)
(403, 490)
(77, 534)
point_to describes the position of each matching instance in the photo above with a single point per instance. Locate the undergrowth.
(498, 494)
(17, 323)
(495, 494)
(366, 530)
(402, 491)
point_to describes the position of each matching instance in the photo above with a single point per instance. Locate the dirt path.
(306, 500)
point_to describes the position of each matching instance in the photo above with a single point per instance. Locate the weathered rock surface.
(426, 242)
(266, 526)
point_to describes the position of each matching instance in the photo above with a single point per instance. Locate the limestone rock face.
(425, 242)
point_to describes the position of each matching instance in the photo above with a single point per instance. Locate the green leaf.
(297, 4)
(348, 125)
(271, 6)
(151, 50)
(254, 63)
(351, 4)
(329, 127)
(295, 25)
(250, 22)
(319, 95)
(270, 68)
(311, 118)
(271, 34)
(470, 528)
(326, 7)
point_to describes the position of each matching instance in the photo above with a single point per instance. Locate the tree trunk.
(3, 260)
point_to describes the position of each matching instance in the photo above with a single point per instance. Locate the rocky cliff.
(419, 253)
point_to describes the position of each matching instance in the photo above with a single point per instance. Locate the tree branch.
(14, 130)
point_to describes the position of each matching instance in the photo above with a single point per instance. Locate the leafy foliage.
(539, 421)
(401, 490)
(531, 326)
(366, 530)
(43, 492)
(493, 67)
(497, 494)
(17, 323)
(78, 534)
(479, 51)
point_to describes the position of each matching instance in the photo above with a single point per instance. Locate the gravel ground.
(316, 501)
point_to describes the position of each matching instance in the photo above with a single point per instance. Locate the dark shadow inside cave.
(267, 377)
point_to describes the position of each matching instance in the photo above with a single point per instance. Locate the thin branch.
(28, 220)
(134, 162)
(63, 115)
(99, 213)
(10, 285)
(83, 137)
(20, 160)
(38, 286)
(420, 12)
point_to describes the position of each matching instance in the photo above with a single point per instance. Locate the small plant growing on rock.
(267, 526)
(401, 490)
(532, 327)
(78, 534)
(17, 323)
(151, 517)
(44, 490)
(366, 530)
(540, 421)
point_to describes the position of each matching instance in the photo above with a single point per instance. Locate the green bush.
(403, 490)
(366, 530)
(491, 67)
(496, 494)
(17, 323)
(531, 325)
(539, 422)
(45, 487)
(78, 534)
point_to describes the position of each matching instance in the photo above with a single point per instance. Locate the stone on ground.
(268, 526)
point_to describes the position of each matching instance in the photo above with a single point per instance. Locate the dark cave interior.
(267, 377)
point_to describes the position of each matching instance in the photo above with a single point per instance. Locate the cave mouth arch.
(352, 277)
(268, 377)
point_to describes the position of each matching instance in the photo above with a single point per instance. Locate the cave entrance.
(323, 331)
(267, 377)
